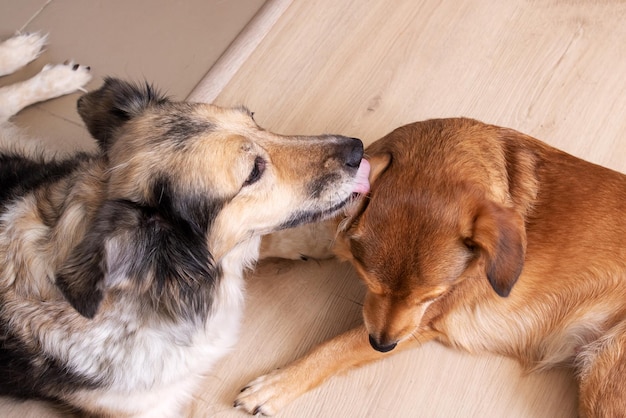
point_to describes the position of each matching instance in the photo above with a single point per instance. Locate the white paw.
(60, 79)
(266, 395)
(19, 50)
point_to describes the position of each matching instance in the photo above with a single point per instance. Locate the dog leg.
(52, 81)
(311, 241)
(19, 50)
(602, 385)
(270, 393)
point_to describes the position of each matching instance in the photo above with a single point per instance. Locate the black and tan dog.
(484, 239)
(121, 280)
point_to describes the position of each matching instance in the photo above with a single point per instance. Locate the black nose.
(353, 152)
(383, 348)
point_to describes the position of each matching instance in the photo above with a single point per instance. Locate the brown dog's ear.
(378, 165)
(500, 237)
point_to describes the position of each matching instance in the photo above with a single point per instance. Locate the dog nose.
(353, 152)
(383, 348)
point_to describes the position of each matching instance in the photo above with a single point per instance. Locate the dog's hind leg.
(602, 384)
(19, 50)
(52, 81)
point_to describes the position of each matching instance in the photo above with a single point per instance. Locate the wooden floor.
(554, 69)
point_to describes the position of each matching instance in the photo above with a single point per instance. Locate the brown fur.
(484, 239)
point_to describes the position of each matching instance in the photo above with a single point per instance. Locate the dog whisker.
(356, 302)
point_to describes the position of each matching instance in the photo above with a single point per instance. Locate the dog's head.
(185, 183)
(431, 225)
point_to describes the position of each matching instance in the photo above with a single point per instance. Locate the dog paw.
(266, 395)
(60, 79)
(19, 50)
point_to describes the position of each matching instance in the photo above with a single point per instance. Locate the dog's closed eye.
(257, 171)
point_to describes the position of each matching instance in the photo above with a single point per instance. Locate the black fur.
(163, 240)
(196, 211)
(105, 110)
(19, 175)
(180, 127)
(21, 377)
(182, 260)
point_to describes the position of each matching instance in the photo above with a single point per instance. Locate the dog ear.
(84, 276)
(500, 238)
(105, 110)
(142, 248)
(378, 165)
(80, 278)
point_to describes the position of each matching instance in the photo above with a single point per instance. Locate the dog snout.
(380, 346)
(352, 151)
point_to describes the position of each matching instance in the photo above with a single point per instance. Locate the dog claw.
(257, 410)
(63, 78)
(267, 394)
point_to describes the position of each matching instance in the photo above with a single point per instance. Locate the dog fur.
(483, 239)
(121, 280)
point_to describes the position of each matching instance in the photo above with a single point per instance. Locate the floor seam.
(34, 16)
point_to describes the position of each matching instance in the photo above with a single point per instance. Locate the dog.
(122, 274)
(484, 239)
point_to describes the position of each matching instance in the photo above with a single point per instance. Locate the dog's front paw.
(267, 394)
(60, 79)
(19, 50)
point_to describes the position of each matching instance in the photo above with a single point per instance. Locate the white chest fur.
(157, 373)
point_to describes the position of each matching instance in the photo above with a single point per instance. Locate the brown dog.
(459, 212)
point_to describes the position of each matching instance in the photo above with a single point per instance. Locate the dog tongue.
(362, 184)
